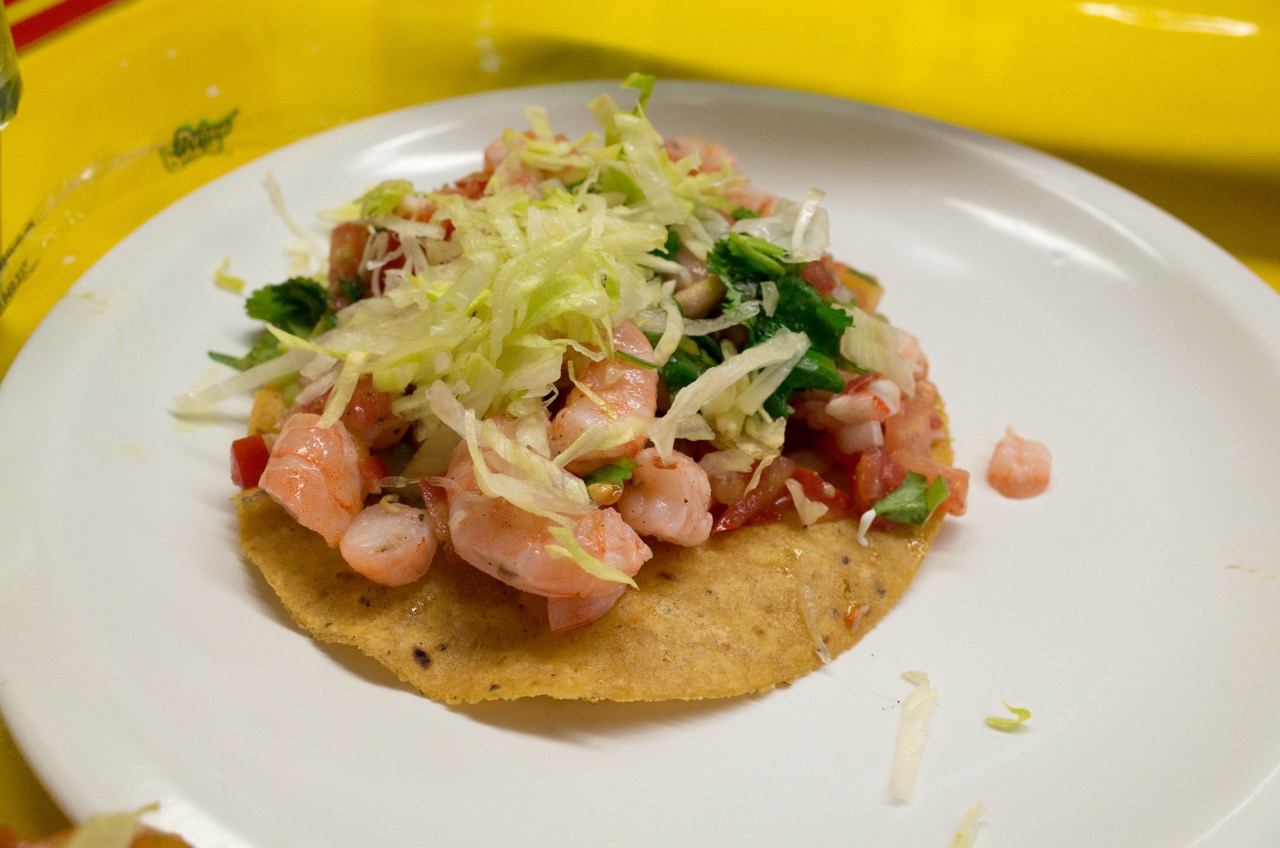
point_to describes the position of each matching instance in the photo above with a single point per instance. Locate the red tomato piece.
(249, 457)
(773, 482)
(435, 500)
(874, 476)
(821, 274)
(957, 478)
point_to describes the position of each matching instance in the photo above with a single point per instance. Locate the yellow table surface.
(1176, 101)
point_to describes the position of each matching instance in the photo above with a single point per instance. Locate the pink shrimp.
(625, 389)
(390, 543)
(1019, 467)
(567, 613)
(510, 544)
(668, 499)
(314, 473)
(712, 155)
(856, 415)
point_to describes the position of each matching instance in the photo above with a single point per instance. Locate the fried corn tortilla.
(743, 613)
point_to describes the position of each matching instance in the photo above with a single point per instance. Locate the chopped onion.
(864, 524)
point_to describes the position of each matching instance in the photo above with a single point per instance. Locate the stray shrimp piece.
(390, 543)
(621, 389)
(510, 544)
(1019, 467)
(315, 473)
(668, 499)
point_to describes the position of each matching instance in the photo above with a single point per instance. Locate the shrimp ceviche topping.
(590, 347)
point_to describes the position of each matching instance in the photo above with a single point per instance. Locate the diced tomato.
(249, 457)
(874, 476)
(770, 500)
(471, 186)
(912, 428)
(435, 500)
(773, 483)
(821, 274)
(957, 478)
(866, 291)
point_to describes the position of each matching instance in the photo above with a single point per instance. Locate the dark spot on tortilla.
(880, 590)
(443, 646)
(844, 560)
(365, 602)
(666, 575)
(494, 687)
(421, 657)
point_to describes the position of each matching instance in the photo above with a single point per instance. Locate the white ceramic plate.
(1133, 608)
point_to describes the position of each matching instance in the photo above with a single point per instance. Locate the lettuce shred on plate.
(468, 307)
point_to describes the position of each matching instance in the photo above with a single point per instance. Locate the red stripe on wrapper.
(48, 21)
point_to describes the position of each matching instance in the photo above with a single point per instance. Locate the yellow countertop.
(138, 103)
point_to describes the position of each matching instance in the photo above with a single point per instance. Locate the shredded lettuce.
(913, 728)
(1020, 714)
(224, 279)
(108, 830)
(721, 383)
(967, 829)
(570, 549)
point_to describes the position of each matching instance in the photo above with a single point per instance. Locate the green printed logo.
(191, 142)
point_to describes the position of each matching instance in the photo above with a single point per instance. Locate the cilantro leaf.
(914, 501)
(670, 248)
(352, 288)
(618, 471)
(815, 370)
(691, 358)
(265, 347)
(744, 258)
(295, 306)
(803, 309)
(743, 262)
(299, 306)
